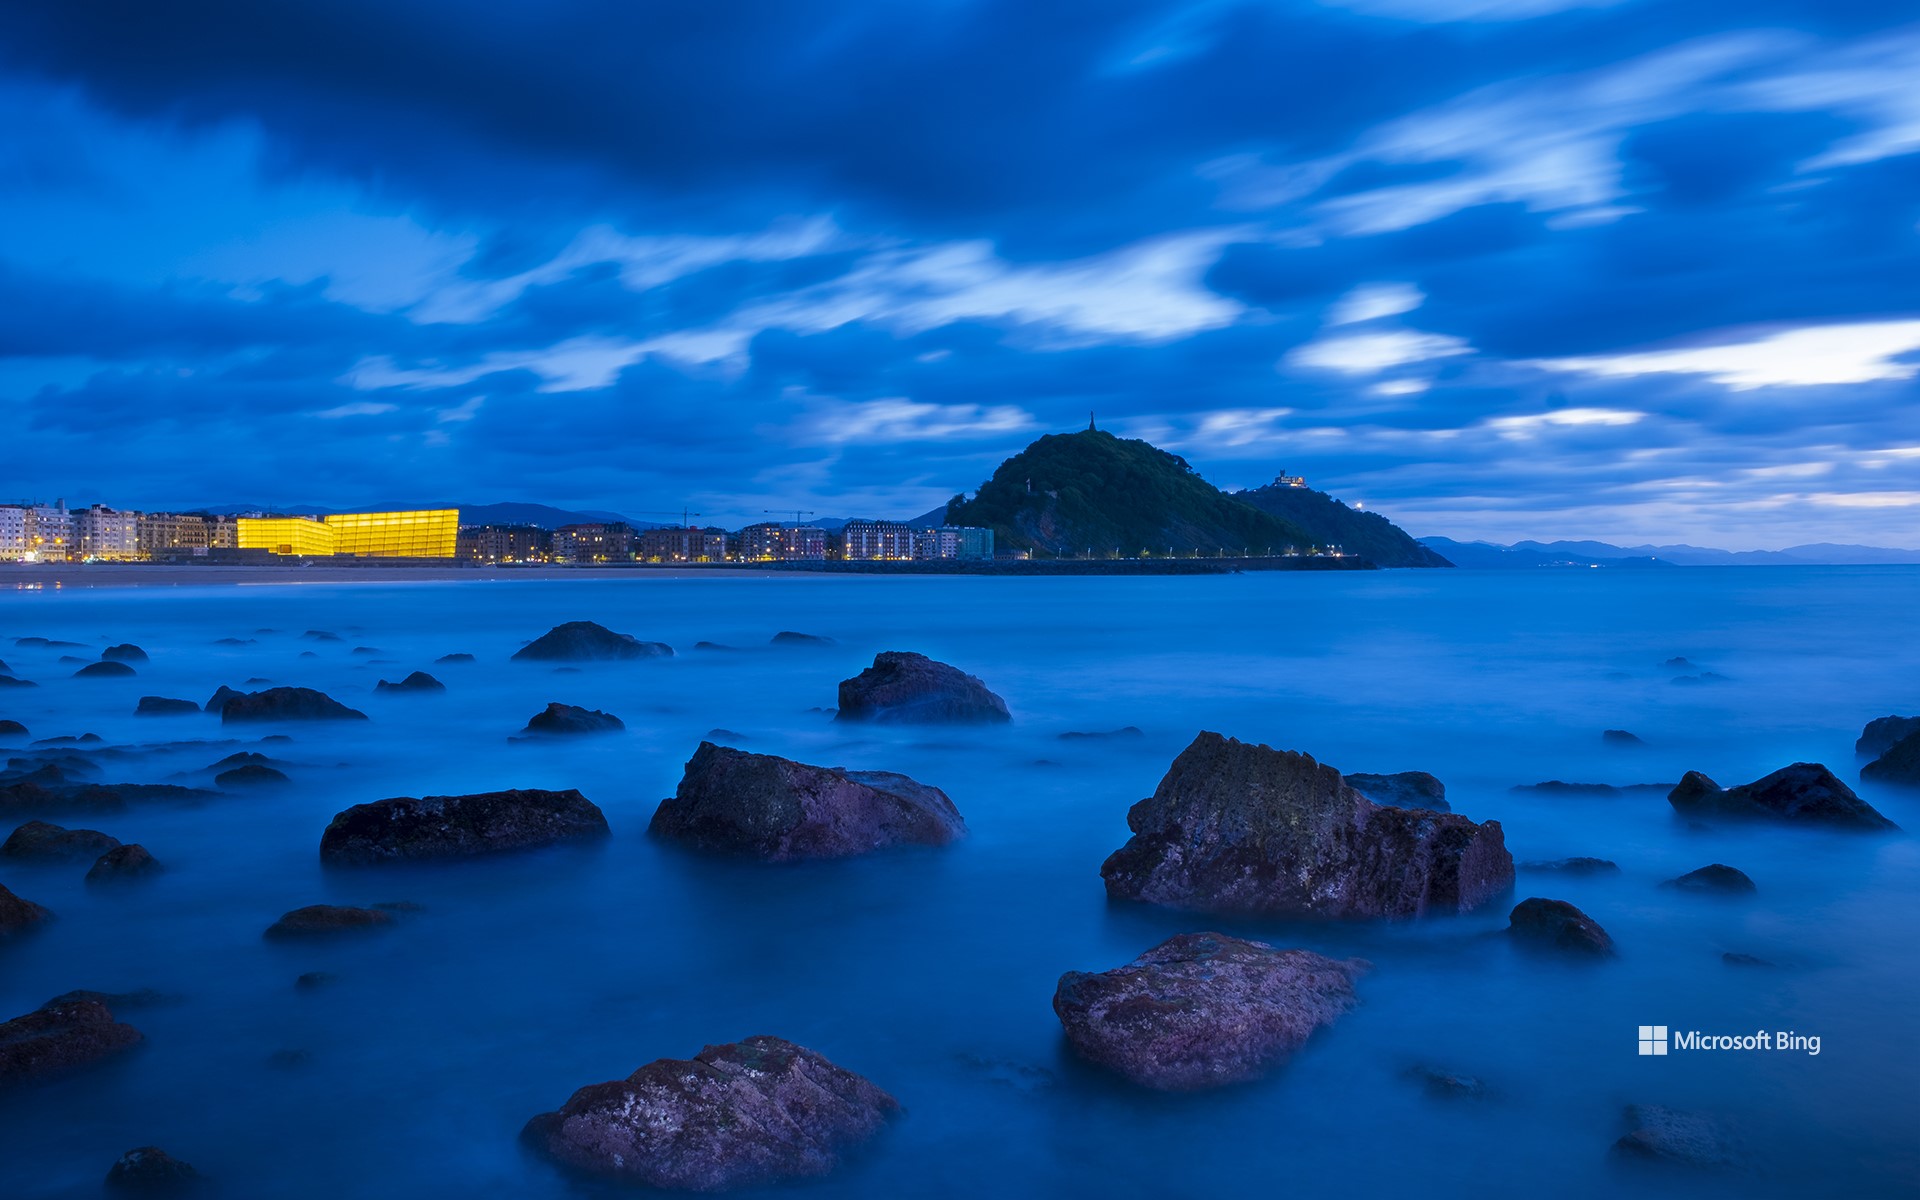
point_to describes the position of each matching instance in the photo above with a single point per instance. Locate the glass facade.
(424, 533)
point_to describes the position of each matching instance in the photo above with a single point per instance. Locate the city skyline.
(1505, 270)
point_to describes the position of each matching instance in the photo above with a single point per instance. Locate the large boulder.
(437, 827)
(124, 864)
(287, 704)
(1900, 764)
(418, 681)
(1203, 1009)
(1802, 794)
(151, 1171)
(584, 641)
(561, 719)
(1558, 926)
(126, 652)
(326, 921)
(40, 841)
(779, 810)
(12, 729)
(161, 706)
(59, 1037)
(1236, 827)
(18, 915)
(1882, 733)
(1677, 1138)
(105, 669)
(906, 688)
(1715, 877)
(1403, 789)
(743, 1114)
(218, 701)
(251, 775)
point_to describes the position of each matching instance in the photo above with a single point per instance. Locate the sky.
(1635, 271)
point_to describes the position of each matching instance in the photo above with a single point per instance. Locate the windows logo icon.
(1653, 1039)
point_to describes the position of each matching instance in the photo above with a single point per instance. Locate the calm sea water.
(932, 971)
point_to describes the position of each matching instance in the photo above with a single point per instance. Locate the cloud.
(1372, 301)
(1864, 352)
(896, 419)
(1372, 353)
(361, 408)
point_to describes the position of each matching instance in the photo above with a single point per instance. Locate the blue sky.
(1497, 268)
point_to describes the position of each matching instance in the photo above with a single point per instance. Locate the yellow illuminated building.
(424, 533)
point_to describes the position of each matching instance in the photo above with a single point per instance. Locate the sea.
(931, 971)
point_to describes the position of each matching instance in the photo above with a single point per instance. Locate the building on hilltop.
(688, 544)
(504, 543)
(769, 542)
(877, 541)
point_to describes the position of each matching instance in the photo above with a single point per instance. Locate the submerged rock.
(775, 809)
(124, 864)
(12, 729)
(419, 681)
(1669, 1135)
(737, 1115)
(14, 681)
(906, 688)
(1557, 925)
(1405, 789)
(787, 637)
(570, 718)
(151, 1171)
(1882, 733)
(125, 652)
(1804, 793)
(58, 1038)
(287, 704)
(320, 635)
(1735, 959)
(1101, 735)
(584, 641)
(218, 701)
(1900, 764)
(1557, 787)
(1575, 866)
(161, 706)
(1715, 878)
(18, 915)
(433, 827)
(1620, 737)
(1202, 1010)
(1448, 1085)
(449, 659)
(105, 670)
(251, 775)
(1237, 827)
(327, 920)
(39, 841)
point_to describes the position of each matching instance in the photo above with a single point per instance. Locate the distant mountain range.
(1605, 554)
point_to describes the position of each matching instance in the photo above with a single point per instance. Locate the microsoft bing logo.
(1653, 1039)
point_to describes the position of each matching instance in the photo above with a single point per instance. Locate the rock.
(241, 758)
(1557, 925)
(1667, 1135)
(1882, 733)
(126, 652)
(1201, 1010)
(55, 1039)
(364, 651)
(320, 635)
(1804, 793)
(905, 688)
(438, 827)
(1715, 878)
(124, 864)
(1900, 764)
(1555, 787)
(778, 810)
(313, 981)
(1619, 737)
(736, 1115)
(419, 681)
(327, 920)
(287, 704)
(1448, 1085)
(12, 729)
(160, 706)
(712, 646)
(1125, 731)
(1733, 959)
(1407, 789)
(1575, 866)
(38, 841)
(454, 658)
(584, 641)
(17, 916)
(1678, 664)
(787, 637)
(1237, 827)
(144, 998)
(234, 641)
(16, 682)
(151, 1171)
(569, 718)
(251, 775)
(218, 701)
(105, 670)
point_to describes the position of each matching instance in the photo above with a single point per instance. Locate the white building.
(106, 534)
(887, 541)
(13, 532)
(49, 532)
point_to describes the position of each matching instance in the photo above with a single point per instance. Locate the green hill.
(1331, 523)
(1070, 494)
